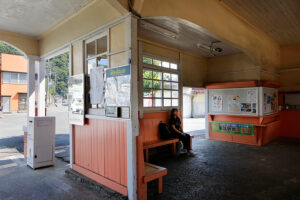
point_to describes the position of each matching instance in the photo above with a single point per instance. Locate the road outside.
(195, 126)
(12, 136)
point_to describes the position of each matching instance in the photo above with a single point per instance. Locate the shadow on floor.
(18, 142)
(223, 170)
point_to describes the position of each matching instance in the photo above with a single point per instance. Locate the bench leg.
(146, 155)
(191, 143)
(173, 149)
(160, 185)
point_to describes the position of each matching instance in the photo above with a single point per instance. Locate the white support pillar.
(41, 90)
(133, 124)
(206, 113)
(31, 85)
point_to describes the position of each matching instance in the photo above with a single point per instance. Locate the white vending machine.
(40, 141)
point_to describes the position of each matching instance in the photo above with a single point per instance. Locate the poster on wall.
(217, 103)
(117, 92)
(246, 108)
(270, 102)
(251, 96)
(233, 103)
(233, 128)
(96, 85)
(76, 99)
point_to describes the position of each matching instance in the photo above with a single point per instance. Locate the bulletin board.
(234, 101)
(269, 103)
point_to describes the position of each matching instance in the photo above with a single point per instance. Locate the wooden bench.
(150, 132)
(158, 143)
(147, 172)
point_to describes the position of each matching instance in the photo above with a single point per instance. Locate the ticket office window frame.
(96, 55)
(95, 58)
(163, 70)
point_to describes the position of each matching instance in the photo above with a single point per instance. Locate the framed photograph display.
(76, 99)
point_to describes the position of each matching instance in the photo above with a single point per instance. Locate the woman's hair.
(172, 112)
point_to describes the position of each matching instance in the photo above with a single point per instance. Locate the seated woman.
(177, 132)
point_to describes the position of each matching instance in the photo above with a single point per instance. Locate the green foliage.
(5, 48)
(59, 67)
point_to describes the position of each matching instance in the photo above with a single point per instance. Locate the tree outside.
(57, 73)
(5, 48)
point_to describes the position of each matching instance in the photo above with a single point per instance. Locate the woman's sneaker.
(192, 154)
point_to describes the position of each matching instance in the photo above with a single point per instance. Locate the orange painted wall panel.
(266, 129)
(13, 63)
(289, 123)
(100, 146)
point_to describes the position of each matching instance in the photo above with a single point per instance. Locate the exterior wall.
(12, 63)
(12, 90)
(89, 18)
(290, 68)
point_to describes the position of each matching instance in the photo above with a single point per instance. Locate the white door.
(6, 104)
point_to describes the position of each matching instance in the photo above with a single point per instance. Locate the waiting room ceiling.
(187, 36)
(33, 17)
(280, 19)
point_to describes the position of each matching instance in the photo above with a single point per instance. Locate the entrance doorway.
(6, 104)
(22, 101)
(194, 120)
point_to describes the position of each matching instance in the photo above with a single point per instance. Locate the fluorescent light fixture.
(158, 29)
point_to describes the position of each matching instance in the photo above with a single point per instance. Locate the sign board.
(232, 128)
(117, 90)
(76, 99)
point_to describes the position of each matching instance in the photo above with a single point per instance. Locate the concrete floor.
(223, 170)
(220, 170)
(19, 182)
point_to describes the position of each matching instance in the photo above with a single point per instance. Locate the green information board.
(233, 128)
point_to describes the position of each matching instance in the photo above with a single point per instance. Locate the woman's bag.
(164, 131)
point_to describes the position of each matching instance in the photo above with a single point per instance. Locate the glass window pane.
(102, 45)
(147, 60)
(157, 93)
(102, 62)
(157, 62)
(157, 84)
(90, 49)
(174, 94)
(174, 86)
(147, 102)
(166, 64)
(23, 78)
(147, 93)
(167, 102)
(174, 102)
(175, 77)
(157, 75)
(174, 66)
(91, 64)
(167, 85)
(6, 77)
(167, 76)
(147, 83)
(167, 94)
(14, 77)
(157, 103)
(147, 74)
